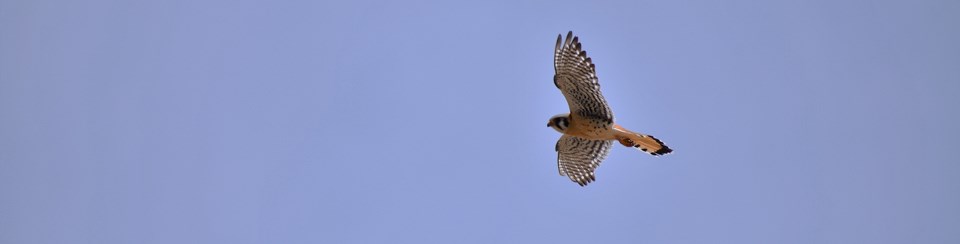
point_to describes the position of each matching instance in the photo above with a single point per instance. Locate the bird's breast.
(590, 129)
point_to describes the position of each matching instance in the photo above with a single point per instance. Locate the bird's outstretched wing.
(577, 158)
(576, 77)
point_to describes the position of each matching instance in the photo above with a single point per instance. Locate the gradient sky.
(424, 122)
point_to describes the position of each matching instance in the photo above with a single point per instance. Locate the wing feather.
(578, 158)
(576, 77)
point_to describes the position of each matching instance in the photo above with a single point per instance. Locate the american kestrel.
(588, 130)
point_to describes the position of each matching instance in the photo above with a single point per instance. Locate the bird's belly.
(591, 131)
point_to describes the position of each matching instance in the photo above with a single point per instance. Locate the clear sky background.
(425, 122)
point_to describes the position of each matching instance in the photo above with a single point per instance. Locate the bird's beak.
(549, 124)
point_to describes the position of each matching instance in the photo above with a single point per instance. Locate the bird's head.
(559, 122)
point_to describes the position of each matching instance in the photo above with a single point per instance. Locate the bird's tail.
(646, 143)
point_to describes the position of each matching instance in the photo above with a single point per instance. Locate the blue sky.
(424, 121)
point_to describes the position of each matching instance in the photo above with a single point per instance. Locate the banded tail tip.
(647, 144)
(664, 149)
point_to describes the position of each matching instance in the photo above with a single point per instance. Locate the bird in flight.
(588, 130)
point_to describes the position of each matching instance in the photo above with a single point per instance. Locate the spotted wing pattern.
(576, 77)
(577, 158)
